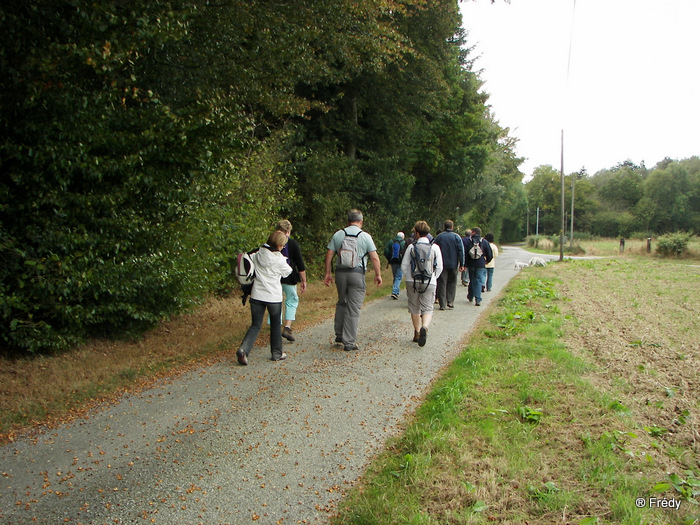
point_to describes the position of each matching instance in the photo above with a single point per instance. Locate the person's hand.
(302, 287)
(328, 279)
(378, 279)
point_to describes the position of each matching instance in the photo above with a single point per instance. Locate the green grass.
(514, 433)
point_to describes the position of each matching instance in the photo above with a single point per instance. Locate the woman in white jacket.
(270, 267)
(421, 296)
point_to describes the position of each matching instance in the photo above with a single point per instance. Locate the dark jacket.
(452, 249)
(293, 254)
(485, 250)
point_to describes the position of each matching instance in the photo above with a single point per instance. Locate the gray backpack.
(421, 266)
(348, 254)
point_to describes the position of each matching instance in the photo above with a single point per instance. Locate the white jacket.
(270, 267)
(494, 250)
(435, 254)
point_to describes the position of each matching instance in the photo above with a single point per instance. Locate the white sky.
(633, 87)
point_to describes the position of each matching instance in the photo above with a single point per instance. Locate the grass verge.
(532, 424)
(45, 390)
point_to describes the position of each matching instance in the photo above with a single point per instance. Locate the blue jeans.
(489, 278)
(257, 313)
(477, 279)
(398, 275)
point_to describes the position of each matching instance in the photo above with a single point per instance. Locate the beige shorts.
(420, 303)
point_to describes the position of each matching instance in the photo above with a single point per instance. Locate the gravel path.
(266, 443)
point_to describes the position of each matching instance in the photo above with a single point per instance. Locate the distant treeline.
(145, 143)
(624, 201)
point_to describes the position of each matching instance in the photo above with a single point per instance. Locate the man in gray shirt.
(353, 246)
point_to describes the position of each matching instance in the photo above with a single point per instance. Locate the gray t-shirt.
(365, 244)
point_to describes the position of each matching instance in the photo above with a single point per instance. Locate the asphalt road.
(267, 443)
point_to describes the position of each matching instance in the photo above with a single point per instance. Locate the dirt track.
(270, 442)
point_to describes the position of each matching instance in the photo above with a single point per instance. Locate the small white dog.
(519, 265)
(537, 261)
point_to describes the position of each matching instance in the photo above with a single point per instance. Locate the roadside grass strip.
(514, 432)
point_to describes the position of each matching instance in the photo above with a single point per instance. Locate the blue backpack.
(395, 253)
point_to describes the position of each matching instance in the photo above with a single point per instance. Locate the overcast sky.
(632, 90)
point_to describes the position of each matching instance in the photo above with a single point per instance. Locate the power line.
(566, 97)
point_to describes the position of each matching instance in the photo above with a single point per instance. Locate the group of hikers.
(430, 267)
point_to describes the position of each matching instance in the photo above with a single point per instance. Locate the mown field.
(578, 403)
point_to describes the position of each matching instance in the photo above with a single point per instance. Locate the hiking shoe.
(287, 334)
(450, 306)
(242, 358)
(442, 308)
(280, 358)
(394, 296)
(478, 303)
(350, 348)
(469, 298)
(416, 335)
(423, 336)
(338, 339)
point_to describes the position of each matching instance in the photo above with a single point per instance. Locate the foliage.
(145, 143)
(620, 201)
(673, 244)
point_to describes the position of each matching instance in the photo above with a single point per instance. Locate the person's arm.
(460, 251)
(329, 258)
(300, 266)
(406, 263)
(377, 265)
(438, 262)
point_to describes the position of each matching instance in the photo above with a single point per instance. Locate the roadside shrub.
(675, 244)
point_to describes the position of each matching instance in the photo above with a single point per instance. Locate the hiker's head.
(489, 237)
(422, 228)
(354, 216)
(449, 225)
(277, 240)
(401, 235)
(284, 226)
(476, 231)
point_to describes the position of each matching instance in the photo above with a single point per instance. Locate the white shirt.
(270, 267)
(435, 255)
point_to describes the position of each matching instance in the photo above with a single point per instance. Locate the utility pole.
(527, 225)
(573, 180)
(563, 219)
(537, 230)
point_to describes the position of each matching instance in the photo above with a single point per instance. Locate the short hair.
(422, 228)
(489, 237)
(284, 226)
(449, 225)
(277, 240)
(354, 215)
(476, 230)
